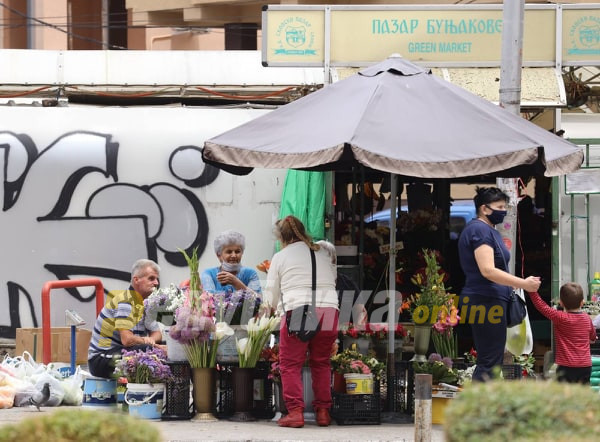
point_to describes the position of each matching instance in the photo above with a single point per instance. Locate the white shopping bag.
(519, 339)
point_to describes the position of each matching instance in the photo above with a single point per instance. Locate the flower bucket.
(175, 350)
(357, 383)
(145, 401)
(99, 392)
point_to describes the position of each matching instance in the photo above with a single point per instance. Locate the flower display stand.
(242, 381)
(204, 393)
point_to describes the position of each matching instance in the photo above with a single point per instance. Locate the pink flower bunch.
(191, 325)
(358, 366)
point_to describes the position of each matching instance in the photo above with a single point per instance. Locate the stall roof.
(540, 86)
(218, 74)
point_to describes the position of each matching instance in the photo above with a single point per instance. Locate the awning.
(540, 86)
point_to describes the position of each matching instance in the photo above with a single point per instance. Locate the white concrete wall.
(87, 191)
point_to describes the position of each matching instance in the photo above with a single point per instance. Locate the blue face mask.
(497, 216)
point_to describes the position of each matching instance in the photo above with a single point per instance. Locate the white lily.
(223, 329)
(241, 345)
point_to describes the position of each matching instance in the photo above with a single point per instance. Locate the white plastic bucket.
(175, 350)
(357, 383)
(99, 392)
(145, 401)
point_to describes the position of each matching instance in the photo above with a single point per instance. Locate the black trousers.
(573, 375)
(489, 333)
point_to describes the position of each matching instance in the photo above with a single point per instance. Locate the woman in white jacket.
(289, 285)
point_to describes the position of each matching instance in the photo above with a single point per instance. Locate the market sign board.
(462, 35)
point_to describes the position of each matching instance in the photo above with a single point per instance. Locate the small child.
(573, 332)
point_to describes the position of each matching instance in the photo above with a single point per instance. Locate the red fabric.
(573, 333)
(292, 355)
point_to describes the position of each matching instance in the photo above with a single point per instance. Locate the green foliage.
(523, 411)
(77, 425)
(439, 372)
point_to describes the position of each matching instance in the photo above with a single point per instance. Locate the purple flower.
(434, 357)
(447, 362)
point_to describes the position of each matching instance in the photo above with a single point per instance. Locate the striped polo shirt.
(124, 310)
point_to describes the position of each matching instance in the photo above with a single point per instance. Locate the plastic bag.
(23, 395)
(73, 391)
(7, 396)
(519, 339)
(57, 392)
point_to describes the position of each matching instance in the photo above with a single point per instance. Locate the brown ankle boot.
(323, 417)
(294, 419)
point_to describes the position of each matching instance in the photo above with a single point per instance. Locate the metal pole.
(30, 24)
(392, 317)
(510, 98)
(105, 24)
(422, 408)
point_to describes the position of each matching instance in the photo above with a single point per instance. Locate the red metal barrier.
(64, 284)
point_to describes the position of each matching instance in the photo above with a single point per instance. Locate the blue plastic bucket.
(145, 401)
(99, 392)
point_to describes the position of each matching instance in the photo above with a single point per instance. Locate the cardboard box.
(30, 339)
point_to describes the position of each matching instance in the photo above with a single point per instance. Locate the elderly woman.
(289, 283)
(230, 275)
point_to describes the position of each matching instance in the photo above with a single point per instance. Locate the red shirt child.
(573, 332)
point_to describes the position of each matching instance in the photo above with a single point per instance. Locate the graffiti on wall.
(80, 215)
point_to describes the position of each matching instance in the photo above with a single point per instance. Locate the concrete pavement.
(263, 430)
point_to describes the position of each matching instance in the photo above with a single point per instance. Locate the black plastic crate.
(224, 403)
(512, 371)
(264, 397)
(356, 409)
(264, 401)
(178, 403)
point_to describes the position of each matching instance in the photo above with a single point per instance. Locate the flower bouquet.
(444, 339)
(259, 332)
(143, 367)
(271, 356)
(351, 361)
(432, 294)
(161, 301)
(236, 308)
(200, 336)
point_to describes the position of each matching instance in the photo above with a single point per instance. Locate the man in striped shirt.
(573, 332)
(120, 324)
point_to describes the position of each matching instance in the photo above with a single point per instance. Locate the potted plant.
(351, 361)
(146, 372)
(439, 368)
(355, 337)
(379, 339)
(427, 302)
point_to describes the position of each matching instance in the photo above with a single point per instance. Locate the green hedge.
(523, 411)
(77, 425)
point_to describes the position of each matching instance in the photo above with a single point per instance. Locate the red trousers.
(292, 356)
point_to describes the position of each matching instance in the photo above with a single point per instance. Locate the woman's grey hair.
(228, 238)
(330, 249)
(141, 264)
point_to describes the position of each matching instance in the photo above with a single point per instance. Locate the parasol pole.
(391, 371)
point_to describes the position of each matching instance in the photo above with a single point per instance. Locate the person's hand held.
(532, 283)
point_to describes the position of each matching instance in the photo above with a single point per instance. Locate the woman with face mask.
(488, 284)
(230, 275)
